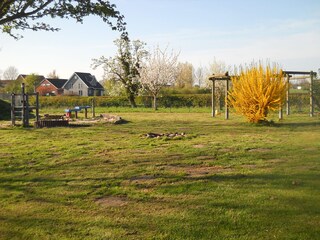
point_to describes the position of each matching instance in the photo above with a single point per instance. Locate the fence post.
(311, 95)
(287, 96)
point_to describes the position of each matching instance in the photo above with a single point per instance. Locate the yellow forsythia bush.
(257, 91)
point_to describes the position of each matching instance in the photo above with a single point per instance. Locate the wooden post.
(23, 110)
(13, 119)
(93, 107)
(287, 96)
(280, 113)
(311, 95)
(27, 110)
(213, 99)
(37, 107)
(226, 100)
(85, 113)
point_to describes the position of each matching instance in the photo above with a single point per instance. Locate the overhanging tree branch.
(19, 14)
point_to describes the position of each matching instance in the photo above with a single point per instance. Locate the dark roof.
(89, 80)
(58, 83)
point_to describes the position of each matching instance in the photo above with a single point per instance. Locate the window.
(80, 92)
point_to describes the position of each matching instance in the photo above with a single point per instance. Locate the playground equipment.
(77, 109)
(288, 75)
(214, 78)
(20, 108)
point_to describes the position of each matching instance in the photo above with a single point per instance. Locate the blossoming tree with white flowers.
(159, 70)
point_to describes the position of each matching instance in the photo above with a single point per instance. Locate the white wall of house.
(75, 86)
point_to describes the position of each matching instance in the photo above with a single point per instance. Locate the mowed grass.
(223, 180)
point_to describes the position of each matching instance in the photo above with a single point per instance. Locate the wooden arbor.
(214, 78)
(288, 74)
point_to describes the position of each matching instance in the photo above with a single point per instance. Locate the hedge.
(298, 101)
(188, 100)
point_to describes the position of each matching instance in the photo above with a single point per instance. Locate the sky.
(235, 32)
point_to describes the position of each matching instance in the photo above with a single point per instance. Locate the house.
(51, 86)
(22, 77)
(83, 84)
(4, 83)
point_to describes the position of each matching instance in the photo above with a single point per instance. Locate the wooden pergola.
(215, 78)
(288, 75)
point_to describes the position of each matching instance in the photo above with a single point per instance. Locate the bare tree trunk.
(132, 101)
(155, 107)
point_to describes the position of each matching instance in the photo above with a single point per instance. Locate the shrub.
(5, 109)
(257, 91)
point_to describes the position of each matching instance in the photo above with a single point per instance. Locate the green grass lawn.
(223, 180)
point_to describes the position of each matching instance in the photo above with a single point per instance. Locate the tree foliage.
(25, 15)
(257, 91)
(160, 69)
(185, 75)
(124, 66)
(31, 82)
(14, 86)
(199, 76)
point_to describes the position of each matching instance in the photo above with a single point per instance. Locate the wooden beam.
(300, 72)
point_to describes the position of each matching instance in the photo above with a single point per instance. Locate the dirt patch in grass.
(249, 166)
(226, 150)
(199, 146)
(199, 171)
(259, 150)
(206, 157)
(144, 180)
(113, 201)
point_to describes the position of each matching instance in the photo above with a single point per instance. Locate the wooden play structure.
(288, 75)
(215, 78)
(20, 107)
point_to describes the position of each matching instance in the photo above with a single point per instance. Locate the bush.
(5, 110)
(188, 100)
(297, 100)
(257, 91)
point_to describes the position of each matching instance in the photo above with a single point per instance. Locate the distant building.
(22, 77)
(83, 84)
(51, 86)
(4, 83)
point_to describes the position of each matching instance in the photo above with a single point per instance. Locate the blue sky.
(234, 31)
